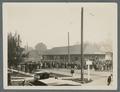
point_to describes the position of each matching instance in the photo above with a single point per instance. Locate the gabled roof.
(75, 49)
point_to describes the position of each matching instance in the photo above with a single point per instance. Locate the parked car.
(41, 75)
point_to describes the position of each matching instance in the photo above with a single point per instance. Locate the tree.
(40, 47)
(14, 50)
(34, 54)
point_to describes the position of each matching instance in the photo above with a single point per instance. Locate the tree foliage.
(14, 49)
(40, 47)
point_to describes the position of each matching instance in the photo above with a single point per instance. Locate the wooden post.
(82, 77)
(68, 49)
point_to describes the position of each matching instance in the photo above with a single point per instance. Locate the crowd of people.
(96, 65)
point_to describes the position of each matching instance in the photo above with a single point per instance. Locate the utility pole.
(82, 77)
(68, 48)
(27, 47)
(18, 49)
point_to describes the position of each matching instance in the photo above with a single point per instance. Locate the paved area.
(99, 78)
(98, 82)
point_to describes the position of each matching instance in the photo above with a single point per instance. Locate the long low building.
(92, 53)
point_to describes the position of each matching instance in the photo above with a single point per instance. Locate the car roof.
(41, 72)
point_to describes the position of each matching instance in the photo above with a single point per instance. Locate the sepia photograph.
(60, 46)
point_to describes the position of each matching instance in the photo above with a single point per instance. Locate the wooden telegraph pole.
(68, 48)
(82, 75)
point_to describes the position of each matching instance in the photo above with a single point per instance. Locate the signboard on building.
(89, 62)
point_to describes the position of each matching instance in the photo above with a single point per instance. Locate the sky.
(50, 22)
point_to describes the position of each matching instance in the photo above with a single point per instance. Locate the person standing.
(72, 72)
(23, 83)
(109, 80)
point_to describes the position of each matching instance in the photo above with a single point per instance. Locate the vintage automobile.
(41, 75)
(42, 78)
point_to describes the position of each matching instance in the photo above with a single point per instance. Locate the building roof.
(75, 49)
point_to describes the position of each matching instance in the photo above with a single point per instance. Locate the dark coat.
(109, 79)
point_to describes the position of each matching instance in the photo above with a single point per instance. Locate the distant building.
(90, 52)
(93, 53)
(109, 56)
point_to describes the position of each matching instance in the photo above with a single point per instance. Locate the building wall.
(109, 56)
(74, 57)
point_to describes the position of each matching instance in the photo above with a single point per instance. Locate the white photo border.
(115, 69)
